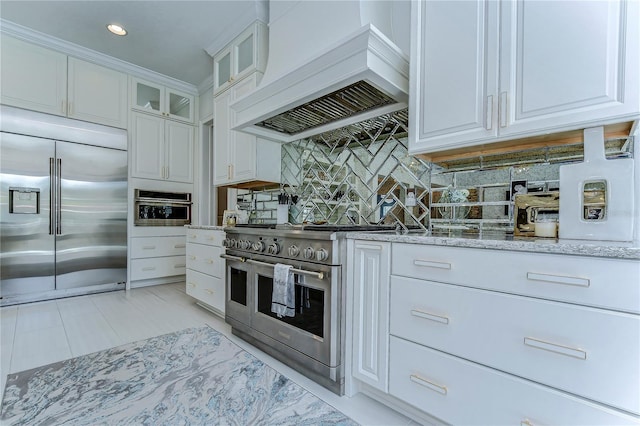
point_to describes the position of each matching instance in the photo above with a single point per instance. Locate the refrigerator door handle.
(59, 197)
(52, 194)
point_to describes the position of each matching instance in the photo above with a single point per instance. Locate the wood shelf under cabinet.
(618, 130)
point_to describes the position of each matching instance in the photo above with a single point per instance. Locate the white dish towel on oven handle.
(284, 291)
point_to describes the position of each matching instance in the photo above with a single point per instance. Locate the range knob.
(322, 255)
(226, 242)
(273, 248)
(258, 246)
(244, 244)
(231, 243)
(294, 251)
(309, 252)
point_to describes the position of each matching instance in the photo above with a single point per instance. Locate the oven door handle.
(229, 257)
(320, 275)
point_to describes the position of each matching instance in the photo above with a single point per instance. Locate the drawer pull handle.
(192, 257)
(179, 266)
(149, 268)
(209, 291)
(285, 335)
(580, 282)
(431, 317)
(148, 248)
(428, 384)
(553, 347)
(431, 264)
(192, 284)
(526, 422)
(194, 236)
(180, 246)
(369, 246)
(209, 261)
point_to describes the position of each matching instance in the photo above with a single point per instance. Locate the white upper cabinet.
(97, 94)
(44, 80)
(245, 54)
(240, 157)
(157, 99)
(33, 77)
(486, 71)
(161, 149)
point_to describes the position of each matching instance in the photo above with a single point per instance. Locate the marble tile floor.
(44, 332)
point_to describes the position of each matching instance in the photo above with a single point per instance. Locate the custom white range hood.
(331, 64)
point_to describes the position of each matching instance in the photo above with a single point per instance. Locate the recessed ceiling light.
(117, 29)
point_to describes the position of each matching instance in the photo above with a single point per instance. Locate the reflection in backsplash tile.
(363, 174)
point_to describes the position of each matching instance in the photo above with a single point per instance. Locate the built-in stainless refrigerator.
(63, 207)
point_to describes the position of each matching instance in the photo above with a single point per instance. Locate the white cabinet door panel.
(372, 264)
(205, 259)
(454, 79)
(33, 77)
(462, 392)
(144, 247)
(567, 61)
(147, 154)
(179, 151)
(143, 269)
(569, 347)
(205, 236)
(244, 147)
(221, 138)
(598, 282)
(97, 94)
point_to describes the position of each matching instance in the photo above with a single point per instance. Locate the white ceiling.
(168, 37)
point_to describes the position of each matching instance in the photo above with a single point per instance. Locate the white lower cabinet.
(205, 268)
(479, 336)
(372, 263)
(463, 392)
(157, 257)
(566, 346)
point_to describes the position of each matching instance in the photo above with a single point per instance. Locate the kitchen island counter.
(507, 241)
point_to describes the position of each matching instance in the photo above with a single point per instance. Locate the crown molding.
(206, 85)
(259, 12)
(77, 51)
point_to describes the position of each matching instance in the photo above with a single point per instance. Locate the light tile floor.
(40, 333)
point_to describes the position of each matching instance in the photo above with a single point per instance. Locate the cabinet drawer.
(143, 247)
(205, 259)
(586, 351)
(205, 236)
(143, 269)
(462, 392)
(591, 281)
(206, 288)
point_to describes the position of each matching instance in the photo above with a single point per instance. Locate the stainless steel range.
(312, 340)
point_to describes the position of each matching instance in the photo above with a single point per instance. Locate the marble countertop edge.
(607, 249)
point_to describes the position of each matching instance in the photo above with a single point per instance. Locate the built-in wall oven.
(311, 340)
(157, 208)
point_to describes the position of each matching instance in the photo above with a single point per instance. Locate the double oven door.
(314, 330)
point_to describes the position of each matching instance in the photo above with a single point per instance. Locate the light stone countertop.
(504, 241)
(210, 227)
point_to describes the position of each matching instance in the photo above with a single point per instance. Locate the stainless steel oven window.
(309, 306)
(153, 208)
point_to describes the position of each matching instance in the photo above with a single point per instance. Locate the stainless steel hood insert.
(361, 76)
(354, 99)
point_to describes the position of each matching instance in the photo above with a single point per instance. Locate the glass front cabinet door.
(164, 101)
(245, 54)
